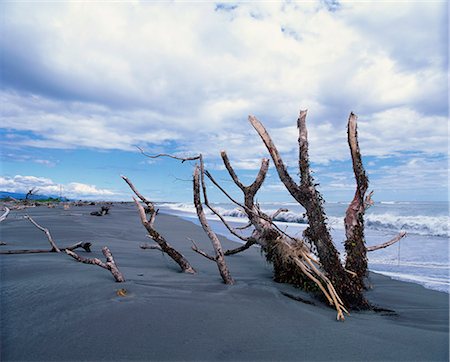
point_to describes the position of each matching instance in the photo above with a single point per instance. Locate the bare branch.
(247, 210)
(241, 248)
(278, 162)
(252, 189)
(368, 202)
(182, 159)
(246, 226)
(154, 234)
(278, 212)
(109, 265)
(150, 246)
(93, 261)
(387, 243)
(5, 214)
(134, 189)
(220, 260)
(85, 245)
(201, 252)
(49, 236)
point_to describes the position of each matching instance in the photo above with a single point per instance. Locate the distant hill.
(21, 196)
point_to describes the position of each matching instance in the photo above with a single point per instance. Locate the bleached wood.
(219, 258)
(201, 252)
(5, 214)
(46, 231)
(182, 159)
(153, 233)
(387, 243)
(110, 264)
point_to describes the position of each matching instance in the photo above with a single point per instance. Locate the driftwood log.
(149, 222)
(110, 263)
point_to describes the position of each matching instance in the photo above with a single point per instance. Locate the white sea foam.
(419, 224)
(427, 281)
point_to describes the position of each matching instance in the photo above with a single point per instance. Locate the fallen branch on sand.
(109, 265)
(85, 245)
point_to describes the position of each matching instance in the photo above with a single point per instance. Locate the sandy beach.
(55, 309)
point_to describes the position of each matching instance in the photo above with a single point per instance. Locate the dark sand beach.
(55, 309)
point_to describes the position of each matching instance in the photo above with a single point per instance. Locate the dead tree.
(292, 260)
(110, 264)
(348, 280)
(149, 222)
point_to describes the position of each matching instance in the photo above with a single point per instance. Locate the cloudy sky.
(84, 83)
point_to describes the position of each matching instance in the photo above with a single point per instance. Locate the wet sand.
(55, 309)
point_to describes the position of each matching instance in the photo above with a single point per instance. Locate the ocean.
(421, 257)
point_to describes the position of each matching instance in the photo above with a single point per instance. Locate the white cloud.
(46, 186)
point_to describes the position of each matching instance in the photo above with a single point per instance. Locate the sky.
(84, 83)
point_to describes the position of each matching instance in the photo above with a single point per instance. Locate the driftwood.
(356, 260)
(219, 257)
(84, 245)
(348, 281)
(291, 258)
(387, 243)
(47, 232)
(148, 223)
(312, 263)
(110, 264)
(150, 246)
(103, 211)
(5, 214)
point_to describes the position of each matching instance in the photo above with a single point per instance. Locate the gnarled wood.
(354, 218)
(153, 233)
(317, 232)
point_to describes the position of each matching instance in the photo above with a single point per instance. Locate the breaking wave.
(419, 224)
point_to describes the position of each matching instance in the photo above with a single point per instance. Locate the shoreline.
(53, 308)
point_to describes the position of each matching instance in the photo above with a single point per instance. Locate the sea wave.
(418, 224)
